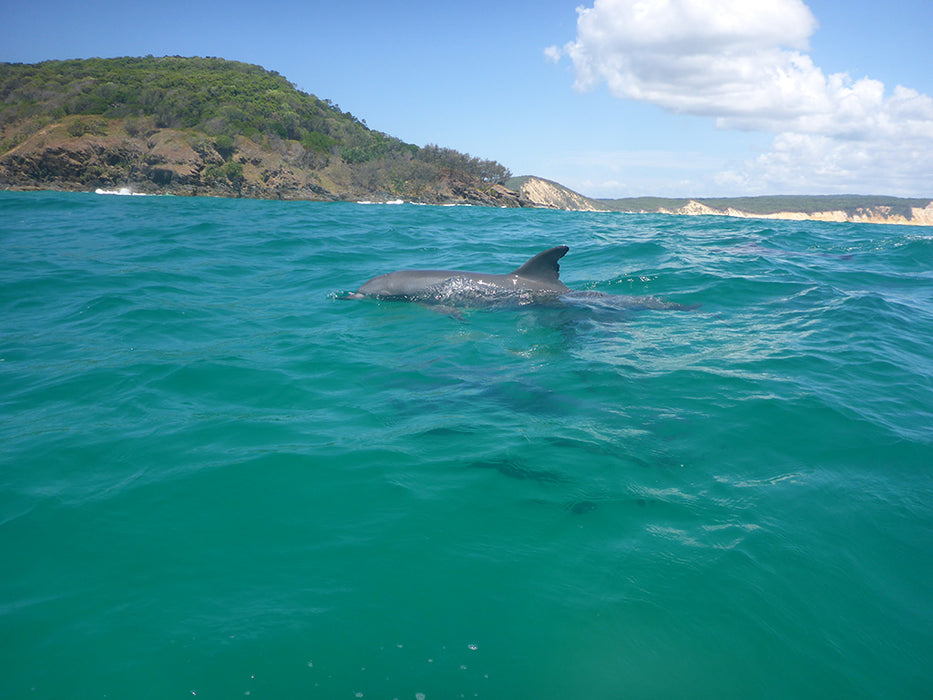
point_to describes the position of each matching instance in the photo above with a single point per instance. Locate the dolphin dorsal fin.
(544, 265)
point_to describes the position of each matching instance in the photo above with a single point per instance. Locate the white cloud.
(552, 53)
(814, 163)
(743, 64)
(714, 57)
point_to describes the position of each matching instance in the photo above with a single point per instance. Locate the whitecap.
(123, 191)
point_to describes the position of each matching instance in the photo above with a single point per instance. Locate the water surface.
(219, 479)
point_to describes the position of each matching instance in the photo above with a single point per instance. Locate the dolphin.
(535, 282)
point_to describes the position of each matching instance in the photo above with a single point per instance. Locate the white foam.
(123, 191)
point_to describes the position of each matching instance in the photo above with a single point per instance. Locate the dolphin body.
(535, 282)
(538, 279)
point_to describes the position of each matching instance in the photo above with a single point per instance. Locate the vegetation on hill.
(227, 112)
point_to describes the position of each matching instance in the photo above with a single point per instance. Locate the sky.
(611, 98)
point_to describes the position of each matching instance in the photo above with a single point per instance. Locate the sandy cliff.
(864, 215)
(538, 192)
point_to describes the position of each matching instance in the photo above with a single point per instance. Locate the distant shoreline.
(550, 195)
(867, 214)
(864, 209)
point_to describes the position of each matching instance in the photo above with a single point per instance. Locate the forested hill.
(212, 126)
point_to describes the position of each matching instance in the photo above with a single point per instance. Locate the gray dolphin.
(535, 282)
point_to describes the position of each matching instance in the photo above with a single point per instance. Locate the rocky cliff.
(75, 154)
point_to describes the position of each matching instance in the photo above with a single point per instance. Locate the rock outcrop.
(64, 156)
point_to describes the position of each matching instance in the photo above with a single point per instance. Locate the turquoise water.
(218, 479)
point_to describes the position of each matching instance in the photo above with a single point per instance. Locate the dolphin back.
(544, 266)
(536, 280)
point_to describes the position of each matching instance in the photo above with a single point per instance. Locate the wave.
(123, 191)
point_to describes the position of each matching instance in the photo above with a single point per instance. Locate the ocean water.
(219, 479)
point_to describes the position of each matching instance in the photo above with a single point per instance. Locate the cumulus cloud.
(745, 65)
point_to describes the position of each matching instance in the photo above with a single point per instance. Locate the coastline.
(871, 210)
(499, 196)
(167, 164)
(878, 214)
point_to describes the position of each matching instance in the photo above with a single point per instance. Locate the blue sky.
(621, 98)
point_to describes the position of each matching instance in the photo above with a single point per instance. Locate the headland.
(212, 127)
